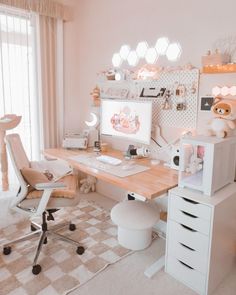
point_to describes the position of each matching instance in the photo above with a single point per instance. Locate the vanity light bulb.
(116, 60)
(162, 45)
(173, 52)
(151, 56)
(224, 91)
(215, 90)
(142, 48)
(124, 51)
(232, 90)
(133, 59)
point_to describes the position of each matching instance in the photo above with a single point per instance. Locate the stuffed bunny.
(88, 184)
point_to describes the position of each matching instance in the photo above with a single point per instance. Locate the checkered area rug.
(62, 268)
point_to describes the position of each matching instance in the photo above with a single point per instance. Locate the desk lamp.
(93, 128)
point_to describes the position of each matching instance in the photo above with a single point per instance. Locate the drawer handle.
(187, 247)
(188, 214)
(185, 264)
(188, 228)
(190, 201)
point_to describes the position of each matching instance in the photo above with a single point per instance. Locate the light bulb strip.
(224, 90)
(163, 47)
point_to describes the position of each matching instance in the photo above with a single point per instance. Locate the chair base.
(44, 233)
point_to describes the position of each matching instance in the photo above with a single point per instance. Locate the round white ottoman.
(135, 220)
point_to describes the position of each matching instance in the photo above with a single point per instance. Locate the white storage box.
(211, 164)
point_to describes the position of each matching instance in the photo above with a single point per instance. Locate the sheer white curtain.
(31, 77)
(18, 78)
(50, 66)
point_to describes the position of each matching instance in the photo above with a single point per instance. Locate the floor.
(127, 276)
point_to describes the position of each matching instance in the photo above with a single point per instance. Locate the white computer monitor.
(127, 119)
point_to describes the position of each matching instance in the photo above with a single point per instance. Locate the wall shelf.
(219, 69)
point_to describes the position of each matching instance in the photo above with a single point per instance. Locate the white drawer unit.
(189, 247)
(183, 214)
(201, 236)
(186, 273)
(187, 236)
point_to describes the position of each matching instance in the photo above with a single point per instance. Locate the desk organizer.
(209, 166)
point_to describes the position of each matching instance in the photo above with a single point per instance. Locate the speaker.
(175, 155)
(174, 159)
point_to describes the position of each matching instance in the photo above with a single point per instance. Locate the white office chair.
(42, 199)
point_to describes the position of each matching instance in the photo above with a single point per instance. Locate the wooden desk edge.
(64, 154)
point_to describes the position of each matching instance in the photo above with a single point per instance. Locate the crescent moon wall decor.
(93, 122)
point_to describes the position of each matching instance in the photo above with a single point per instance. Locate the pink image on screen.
(126, 121)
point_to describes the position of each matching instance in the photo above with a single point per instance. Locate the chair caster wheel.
(72, 227)
(33, 228)
(36, 269)
(7, 250)
(45, 241)
(80, 250)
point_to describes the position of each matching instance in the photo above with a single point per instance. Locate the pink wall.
(100, 27)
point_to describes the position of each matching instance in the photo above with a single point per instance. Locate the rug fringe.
(108, 264)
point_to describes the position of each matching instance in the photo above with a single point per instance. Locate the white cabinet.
(201, 237)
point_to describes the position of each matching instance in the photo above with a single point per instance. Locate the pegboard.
(170, 80)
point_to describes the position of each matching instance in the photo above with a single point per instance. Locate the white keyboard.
(109, 160)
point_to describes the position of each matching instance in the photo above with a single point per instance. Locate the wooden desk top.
(150, 184)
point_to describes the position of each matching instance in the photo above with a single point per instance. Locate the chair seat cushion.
(69, 192)
(33, 177)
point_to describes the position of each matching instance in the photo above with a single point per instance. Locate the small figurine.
(166, 105)
(96, 95)
(110, 74)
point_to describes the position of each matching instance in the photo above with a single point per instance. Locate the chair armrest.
(47, 188)
(50, 185)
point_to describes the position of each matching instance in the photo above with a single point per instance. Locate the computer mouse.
(155, 162)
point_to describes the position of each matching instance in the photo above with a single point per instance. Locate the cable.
(168, 145)
(156, 142)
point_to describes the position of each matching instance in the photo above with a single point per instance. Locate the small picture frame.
(206, 103)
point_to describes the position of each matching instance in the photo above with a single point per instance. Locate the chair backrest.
(19, 160)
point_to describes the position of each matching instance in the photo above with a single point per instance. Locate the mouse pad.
(120, 170)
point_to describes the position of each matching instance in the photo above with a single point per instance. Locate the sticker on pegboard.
(179, 107)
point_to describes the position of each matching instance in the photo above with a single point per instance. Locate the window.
(18, 78)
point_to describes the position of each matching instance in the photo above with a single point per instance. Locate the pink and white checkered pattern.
(62, 268)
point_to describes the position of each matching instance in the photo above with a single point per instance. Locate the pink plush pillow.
(33, 177)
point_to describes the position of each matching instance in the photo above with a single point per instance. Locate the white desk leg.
(155, 267)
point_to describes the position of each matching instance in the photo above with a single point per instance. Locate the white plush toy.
(88, 184)
(224, 112)
(195, 165)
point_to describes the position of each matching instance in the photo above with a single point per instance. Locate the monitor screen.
(128, 119)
